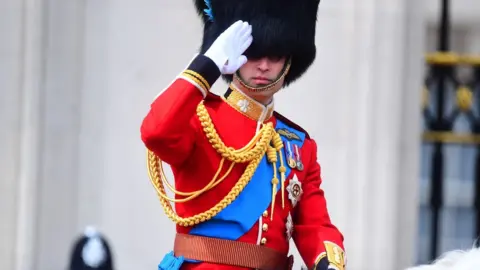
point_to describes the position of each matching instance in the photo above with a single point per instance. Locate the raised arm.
(169, 128)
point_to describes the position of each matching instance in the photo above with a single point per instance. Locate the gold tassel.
(274, 194)
(282, 170)
(272, 157)
(278, 144)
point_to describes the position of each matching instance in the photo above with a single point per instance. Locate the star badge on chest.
(295, 191)
(289, 226)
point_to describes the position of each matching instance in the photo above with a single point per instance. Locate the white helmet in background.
(91, 252)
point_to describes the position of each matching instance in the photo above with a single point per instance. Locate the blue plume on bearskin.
(208, 11)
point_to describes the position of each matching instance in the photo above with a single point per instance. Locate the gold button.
(265, 227)
(263, 241)
(265, 214)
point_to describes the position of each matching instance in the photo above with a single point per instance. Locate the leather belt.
(235, 253)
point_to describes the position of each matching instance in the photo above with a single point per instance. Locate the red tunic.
(172, 130)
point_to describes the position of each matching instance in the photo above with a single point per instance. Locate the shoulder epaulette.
(291, 123)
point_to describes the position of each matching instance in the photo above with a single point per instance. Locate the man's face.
(263, 71)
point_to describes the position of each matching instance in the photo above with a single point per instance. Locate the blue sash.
(240, 216)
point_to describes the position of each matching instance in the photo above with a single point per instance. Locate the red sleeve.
(314, 234)
(168, 129)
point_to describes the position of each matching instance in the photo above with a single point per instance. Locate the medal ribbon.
(289, 149)
(299, 161)
(297, 153)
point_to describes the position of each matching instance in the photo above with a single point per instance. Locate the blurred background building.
(449, 215)
(77, 77)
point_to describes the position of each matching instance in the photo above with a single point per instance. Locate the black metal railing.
(449, 73)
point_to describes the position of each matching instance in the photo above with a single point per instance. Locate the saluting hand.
(227, 50)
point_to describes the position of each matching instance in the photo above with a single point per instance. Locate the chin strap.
(267, 87)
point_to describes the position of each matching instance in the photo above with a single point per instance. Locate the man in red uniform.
(246, 178)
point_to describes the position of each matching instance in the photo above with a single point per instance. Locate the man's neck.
(265, 100)
(248, 106)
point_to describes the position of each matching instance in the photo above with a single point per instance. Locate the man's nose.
(263, 64)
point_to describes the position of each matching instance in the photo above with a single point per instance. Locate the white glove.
(227, 50)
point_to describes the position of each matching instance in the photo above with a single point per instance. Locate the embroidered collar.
(247, 105)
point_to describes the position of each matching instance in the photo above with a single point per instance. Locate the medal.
(299, 165)
(290, 160)
(299, 160)
(294, 190)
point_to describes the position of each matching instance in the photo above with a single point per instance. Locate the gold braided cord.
(252, 154)
(210, 213)
(194, 194)
(278, 144)
(272, 157)
(265, 134)
(213, 183)
(210, 185)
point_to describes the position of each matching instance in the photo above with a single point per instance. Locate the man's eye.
(275, 58)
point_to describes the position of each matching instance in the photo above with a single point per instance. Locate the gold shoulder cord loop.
(252, 154)
(278, 144)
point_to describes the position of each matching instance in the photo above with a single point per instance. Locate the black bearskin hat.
(280, 28)
(91, 252)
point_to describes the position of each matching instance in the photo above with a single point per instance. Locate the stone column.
(10, 108)
(41, 69)
(408, 177)
(61, 100)
(21, 54)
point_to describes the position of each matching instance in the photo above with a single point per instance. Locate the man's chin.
(259, 85)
